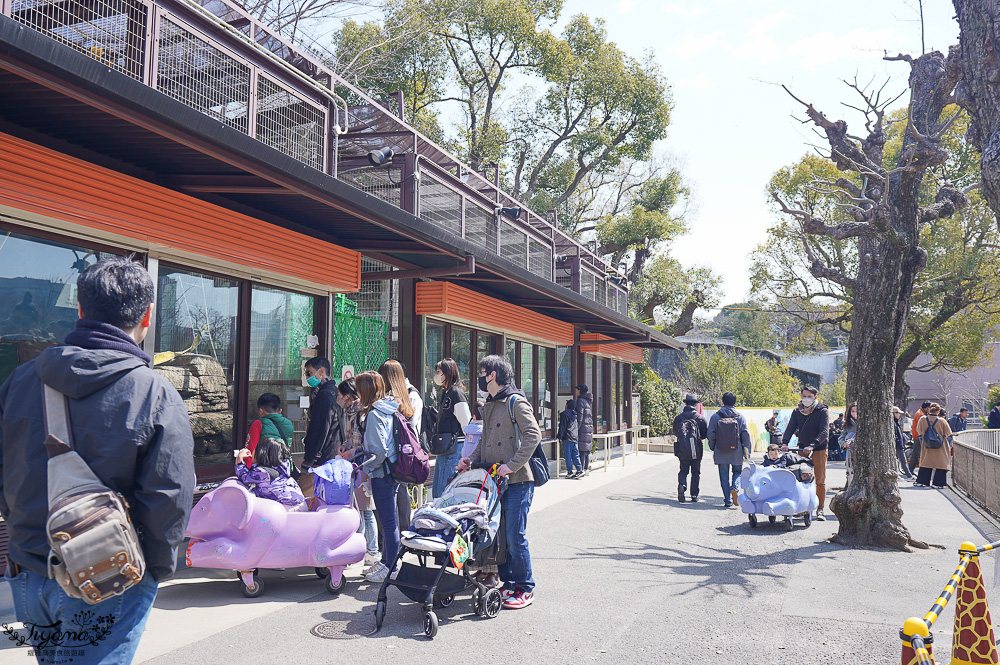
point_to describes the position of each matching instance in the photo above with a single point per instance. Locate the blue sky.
(732, 126)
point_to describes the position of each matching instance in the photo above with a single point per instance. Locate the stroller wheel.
(379, 614)
(477, 602)
(253, 591)
(753, 520)
(492, 603)
(336, 588)
(322, 573)
(445, 600)
(771, 519)
(430, 624)
(788, 524)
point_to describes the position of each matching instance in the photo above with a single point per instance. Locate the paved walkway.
(625, 574)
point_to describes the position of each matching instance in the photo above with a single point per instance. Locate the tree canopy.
(756, 381)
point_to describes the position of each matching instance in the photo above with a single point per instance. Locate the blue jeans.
(727, 484)
(572, 453)
(516, 570)
(444, 470)
(370, 531)
(40, 603)
(384, 495)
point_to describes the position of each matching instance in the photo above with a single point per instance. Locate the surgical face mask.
(484, 384)
(313, 381)
(439, 379)
(808, 401)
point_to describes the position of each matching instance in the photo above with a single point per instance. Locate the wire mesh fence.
(540, 259)
(288, 122)
(113, 32)
(367, 334)
(514, 245)
(382, 182)
(440, 205)
(196, 73)
(481, 227)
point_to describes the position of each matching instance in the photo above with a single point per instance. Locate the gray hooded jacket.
(129, 425)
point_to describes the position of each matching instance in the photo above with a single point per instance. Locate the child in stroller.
(459, 527)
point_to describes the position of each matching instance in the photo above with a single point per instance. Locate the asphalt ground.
(625, 574)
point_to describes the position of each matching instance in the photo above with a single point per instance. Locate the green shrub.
(660, 401)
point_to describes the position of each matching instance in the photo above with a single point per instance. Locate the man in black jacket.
(128, 424)
(691, 429)
(810, 422)
(327, 429)
(585, 421)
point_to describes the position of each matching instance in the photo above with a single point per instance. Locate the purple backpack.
(411, 465)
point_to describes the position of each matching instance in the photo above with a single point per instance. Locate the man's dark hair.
(269, 402)
(963, 409)
(571, 404)
(116, 291)
(811, 389)
(728, 399)
(318, 363)
(926, 404)
(347, 387)
(499, 364)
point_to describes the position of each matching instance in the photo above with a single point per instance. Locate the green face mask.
(313, 381)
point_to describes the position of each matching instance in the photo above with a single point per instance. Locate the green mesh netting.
(359, 341)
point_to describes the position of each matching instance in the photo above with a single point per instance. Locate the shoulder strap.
(511, 401)
(56, 408)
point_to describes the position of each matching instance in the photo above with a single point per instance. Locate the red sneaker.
(519, 600)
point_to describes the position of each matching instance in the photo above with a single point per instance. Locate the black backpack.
(932, 437)
(428, 426)
(690, 437)
(727, 434)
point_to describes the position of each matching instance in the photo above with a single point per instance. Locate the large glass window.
(588, 374)
(511, 348)
(435, 354)
(280, 325)
(484, 347)
(461, 351)
(544, 409)
(615, 396)
(527, 371)
(600, 395)
(196, 347)
(564, 371)
(38, 306)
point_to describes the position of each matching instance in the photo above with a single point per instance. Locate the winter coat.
(270, 483)
(355, 435)
(500, 443)
(916, 419)
(417, 402)
(270, 425)
(812, 429)
(129, 425)
(993, 420)
(786, 460)
(731, 457)
(569, 428)
(898, 431)
(326, 432)
(957, 424)
(585, 419)
(937, 458)
(683, 452)
(378, 439)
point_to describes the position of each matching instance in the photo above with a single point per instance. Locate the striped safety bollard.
(973, 642)
(917, 641)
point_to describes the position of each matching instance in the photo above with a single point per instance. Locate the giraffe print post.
(973, 642)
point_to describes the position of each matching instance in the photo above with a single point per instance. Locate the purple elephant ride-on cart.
(230, 528)
(776, 492)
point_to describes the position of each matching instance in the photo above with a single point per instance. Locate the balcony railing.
(213, 57)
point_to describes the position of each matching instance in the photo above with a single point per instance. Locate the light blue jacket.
(378, 439)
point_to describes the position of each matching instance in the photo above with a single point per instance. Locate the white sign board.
(347, 372)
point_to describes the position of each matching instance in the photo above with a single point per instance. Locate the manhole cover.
(343, 630)
(621, 498)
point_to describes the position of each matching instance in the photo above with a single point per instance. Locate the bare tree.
(886, 219)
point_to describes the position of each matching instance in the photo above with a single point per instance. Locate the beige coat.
(939, 458)
(499, 443)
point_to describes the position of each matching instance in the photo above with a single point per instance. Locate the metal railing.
(214, 57)
(984, 440)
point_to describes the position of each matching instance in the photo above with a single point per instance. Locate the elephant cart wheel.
(322, 573)
(492, 603)
(753, 520)
(379, 614)
(338, 587)
(807, 517)
(430, 624)
(252, 591)
(771, 519)
(788, 524)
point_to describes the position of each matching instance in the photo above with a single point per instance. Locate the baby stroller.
(460, 527)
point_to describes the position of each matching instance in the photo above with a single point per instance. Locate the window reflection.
(196, 352)
(435, 354)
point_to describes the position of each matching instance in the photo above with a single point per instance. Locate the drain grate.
(343, 630)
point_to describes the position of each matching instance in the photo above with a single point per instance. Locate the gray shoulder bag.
(95, 551)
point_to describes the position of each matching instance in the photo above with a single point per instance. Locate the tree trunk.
(979, 90)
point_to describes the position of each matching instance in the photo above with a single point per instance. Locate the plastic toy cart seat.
(776, 493)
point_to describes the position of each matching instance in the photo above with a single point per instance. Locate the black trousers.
(694, 466)
(924, 476)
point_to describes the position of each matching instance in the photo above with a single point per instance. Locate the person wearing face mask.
(810, 422)
(326, 432)
(453, 415)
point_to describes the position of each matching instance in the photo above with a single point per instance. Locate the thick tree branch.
(818, 227)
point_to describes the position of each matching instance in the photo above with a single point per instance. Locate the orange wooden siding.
(595, 343)
(460, 305)
(46, 182)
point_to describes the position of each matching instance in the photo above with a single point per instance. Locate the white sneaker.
(820, 517)
(372, 559)
(378, 573)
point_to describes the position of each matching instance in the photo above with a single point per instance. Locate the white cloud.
(699, 81)
(694, 44)
(826, 47)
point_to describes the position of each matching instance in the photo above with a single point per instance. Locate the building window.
(485, 343)
(461, 351)
(528, 371)
(511, 348)
(564, 372)
(196, 347)
(38, 306)
(280, 325)
(435, 354)
(544, 409)
(600, 395)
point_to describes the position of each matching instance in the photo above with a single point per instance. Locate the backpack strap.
(511, 401)
(56, 409)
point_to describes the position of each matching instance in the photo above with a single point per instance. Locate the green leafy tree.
(659, 400)
(756, 381)
(835, 394)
